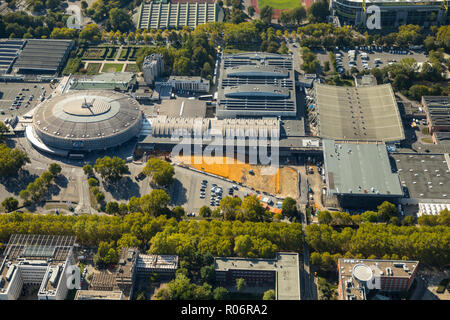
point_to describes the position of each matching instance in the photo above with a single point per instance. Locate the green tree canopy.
(161, 171)
(111, 168)
(155, 202)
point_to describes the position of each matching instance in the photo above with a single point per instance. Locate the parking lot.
(20, 92)
(186, 191)
(384, 56)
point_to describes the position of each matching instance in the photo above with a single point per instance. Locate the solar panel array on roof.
(9, 50)
(43, 56)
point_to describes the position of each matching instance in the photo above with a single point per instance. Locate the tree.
(120, 20)
(220, 293)
(427, 220)
(54, 169)
(155, 202)
(111, 168)
(266, 14)
(11, 160)
(3, 129)
(251, 11)
(91, 32)
(10, 204)
(269, 295)
(88, 170)
(386, 210)
(205, 212)
(324, 217)
(289, 207)
(92, 182)
(408, 221)
(99, 197)
(318, 11)
(112, 207)
(240, 284)
(52, 4)
(128, 241)
(207, 273)
(229, 207)
(252, 210)
(178, 212)
(443, 218)
(161, 172)
(243, 245)
(47, 177)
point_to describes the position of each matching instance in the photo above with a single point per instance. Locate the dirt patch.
(281, 181)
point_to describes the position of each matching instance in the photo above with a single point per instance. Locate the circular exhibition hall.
(85, 121)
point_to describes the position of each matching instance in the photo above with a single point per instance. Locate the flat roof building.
(39, 260)
(163, 265)
(360, 174)
(155, 15)
(256, 85)
(361, 279)
(118, 81)
(367, 113)
(123, 276)
(437, 110)
(425, 177)
(282, 273)
(9, 51)
(43, 56)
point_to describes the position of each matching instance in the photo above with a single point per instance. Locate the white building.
(152, 68)
(188, 83)
(40, 260)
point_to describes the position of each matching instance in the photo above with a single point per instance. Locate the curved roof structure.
(87, 120)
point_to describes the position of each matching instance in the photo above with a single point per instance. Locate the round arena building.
(87, 120)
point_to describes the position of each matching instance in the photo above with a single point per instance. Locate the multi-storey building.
(152, 68)
(40, 260)
(393, 12)
(256, 84)
(360, 279)
(282, 273)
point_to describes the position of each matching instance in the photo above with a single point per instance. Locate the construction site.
(282, 181)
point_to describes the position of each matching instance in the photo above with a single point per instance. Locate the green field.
(279, 4)
(112, 67)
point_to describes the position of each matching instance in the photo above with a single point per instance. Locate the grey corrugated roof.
(43, 54)
(363, 113)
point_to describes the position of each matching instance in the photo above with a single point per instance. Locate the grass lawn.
(279, 4)
(93, 68)
(112, 67)
(131, 67)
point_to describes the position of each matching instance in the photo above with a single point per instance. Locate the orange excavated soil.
(283, 181)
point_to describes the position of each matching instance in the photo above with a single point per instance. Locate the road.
(309, 287)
